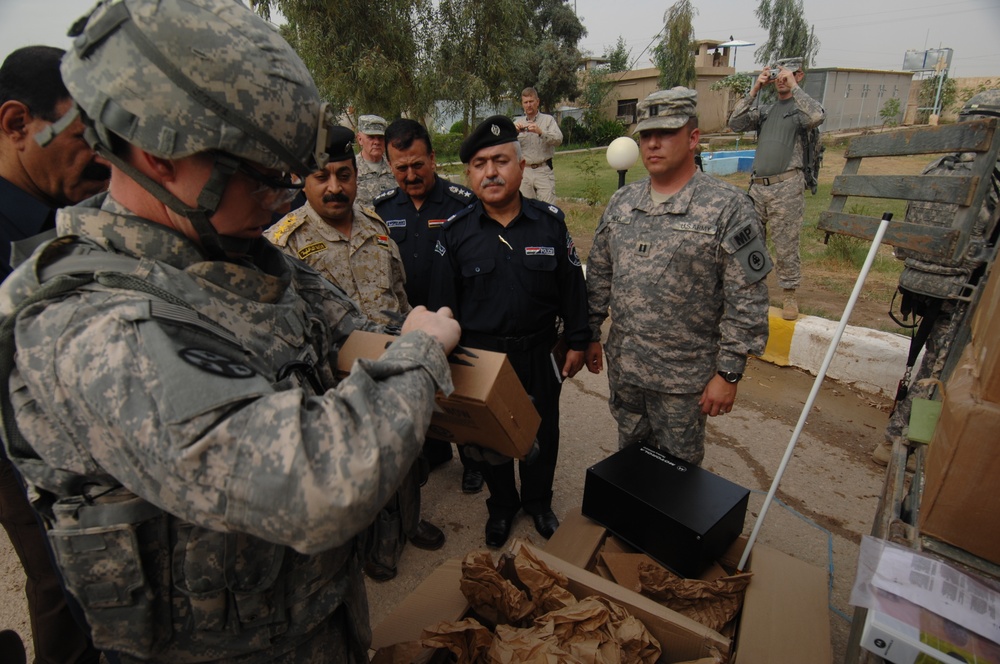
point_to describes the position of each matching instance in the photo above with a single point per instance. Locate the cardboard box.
(961, 496)
(681, 515)
(438, 598)
(986, 338)
(489, 406)
(784, 618)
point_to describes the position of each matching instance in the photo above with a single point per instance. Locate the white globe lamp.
(622, 155)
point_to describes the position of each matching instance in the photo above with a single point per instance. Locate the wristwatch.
(731, 376)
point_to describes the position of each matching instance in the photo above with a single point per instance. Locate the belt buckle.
(766, 182)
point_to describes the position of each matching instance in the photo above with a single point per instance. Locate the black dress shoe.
(546, 523)
(428, 536)
(497, 531)
(472, 481)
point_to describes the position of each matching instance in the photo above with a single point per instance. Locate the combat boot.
(790, 308)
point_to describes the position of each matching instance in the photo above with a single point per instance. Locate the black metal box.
(679, 514)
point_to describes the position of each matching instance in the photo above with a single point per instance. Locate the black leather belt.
(775, 179)
(509, 344)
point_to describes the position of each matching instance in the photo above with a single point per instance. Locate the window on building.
(626, 110)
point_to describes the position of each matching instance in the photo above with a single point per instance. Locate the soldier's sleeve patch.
(439, 249)
(215, 363)
(747, 247)
(382, 240)
(311, 249)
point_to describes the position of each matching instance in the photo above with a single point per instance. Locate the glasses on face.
(273, 192)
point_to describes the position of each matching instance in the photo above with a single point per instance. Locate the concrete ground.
(830, 487)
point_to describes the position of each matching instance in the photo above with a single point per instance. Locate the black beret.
(339, 143)
(495, 130)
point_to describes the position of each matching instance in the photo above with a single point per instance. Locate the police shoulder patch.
(384, 196)
(458, 215)
(458, 192)
(548, 208)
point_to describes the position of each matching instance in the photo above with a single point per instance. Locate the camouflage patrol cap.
(666, 109)
(179, 77)
(372, 125)
(985, 103)
(791, 64)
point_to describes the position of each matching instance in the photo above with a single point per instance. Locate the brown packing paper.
(712, 603)
(550, 624)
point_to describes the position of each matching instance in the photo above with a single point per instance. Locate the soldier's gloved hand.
(440, 324)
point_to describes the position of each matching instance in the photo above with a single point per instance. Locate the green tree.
(890, 112)
(928, 93)
(619, 56)
(548, 54)
(367, 56)
(788, 34)
(674, 55)
(477, 60)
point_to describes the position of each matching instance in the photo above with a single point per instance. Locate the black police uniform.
(416, 232)
(507, 285)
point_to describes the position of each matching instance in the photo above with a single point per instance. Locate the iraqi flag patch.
(383, 240)
(539, 251)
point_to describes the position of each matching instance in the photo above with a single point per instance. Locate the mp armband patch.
(754, 258)
(217, 364)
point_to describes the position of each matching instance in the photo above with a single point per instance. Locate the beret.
(495, 130)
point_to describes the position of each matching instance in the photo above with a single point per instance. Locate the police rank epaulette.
(281, 231)
(548, 208)
(457, 216)
(384, 196)
(459, 193)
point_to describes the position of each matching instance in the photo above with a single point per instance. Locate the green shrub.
(605, 131)
(446, 146)
(459, 127)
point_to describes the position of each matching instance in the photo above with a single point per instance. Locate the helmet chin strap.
(214, 245)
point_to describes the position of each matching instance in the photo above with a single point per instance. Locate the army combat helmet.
(180, 77)
(985, 103)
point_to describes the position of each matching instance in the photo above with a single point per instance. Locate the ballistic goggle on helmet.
(181, 77)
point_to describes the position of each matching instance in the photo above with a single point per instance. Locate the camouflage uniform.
(367, 265)
(781, 205)
(539, 180)
(373, 179)
(201, 477)
(684, 284)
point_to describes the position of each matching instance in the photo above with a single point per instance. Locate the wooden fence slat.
(915, 237)
(962, 137)
(935, 188)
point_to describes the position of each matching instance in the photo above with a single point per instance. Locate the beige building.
(711, 64)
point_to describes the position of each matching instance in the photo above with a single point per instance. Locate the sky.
(870, 34)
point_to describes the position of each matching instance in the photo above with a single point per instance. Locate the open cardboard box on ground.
(489, 406)
(784, 618)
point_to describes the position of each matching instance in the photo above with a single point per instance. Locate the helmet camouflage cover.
(178, 77)
(983, 103)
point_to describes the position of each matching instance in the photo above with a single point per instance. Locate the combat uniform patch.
(747, 247)
(539, 251)
(382, 240)
(435, 223)
(311, 249)
(395, 223)
(439, 248)
(642, 248)
(213, 363)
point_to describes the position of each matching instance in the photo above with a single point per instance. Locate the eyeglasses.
(273, 192)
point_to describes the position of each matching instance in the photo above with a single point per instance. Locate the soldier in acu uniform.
(374, 173)
(170, 392)
(508, 268)
(415, 211)
(679, 262)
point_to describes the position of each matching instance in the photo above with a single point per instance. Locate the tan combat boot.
(790, 309)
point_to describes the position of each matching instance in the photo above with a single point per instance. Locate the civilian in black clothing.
(508, 268)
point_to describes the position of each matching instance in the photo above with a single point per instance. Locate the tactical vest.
(151, 585)
(946, 278)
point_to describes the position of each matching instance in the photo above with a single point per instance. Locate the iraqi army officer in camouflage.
(172, 401)
(348, 244)
(679, 261)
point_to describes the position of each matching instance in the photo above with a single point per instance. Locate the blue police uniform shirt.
(416, 232)
(511, 281)
(21, 216)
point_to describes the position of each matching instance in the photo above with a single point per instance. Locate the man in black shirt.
(44, 164)
(508, 268)
(415, 212)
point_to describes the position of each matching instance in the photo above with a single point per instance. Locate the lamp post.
(622, 155)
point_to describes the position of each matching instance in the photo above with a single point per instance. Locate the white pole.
(876, 242)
